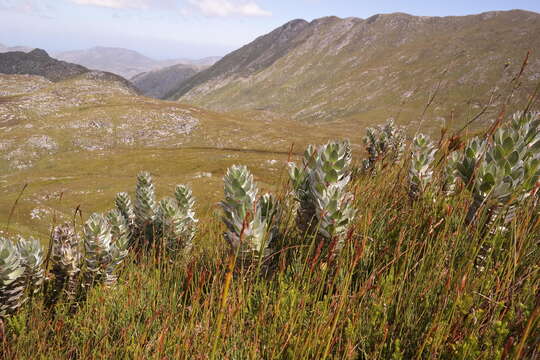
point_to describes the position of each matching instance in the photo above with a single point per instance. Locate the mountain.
(124, 62)
(5, 48)
(384, 66)
(158, 83)
(38, 62)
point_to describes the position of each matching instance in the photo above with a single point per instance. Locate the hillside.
(38, 62)
(124, 62)
(160, 82)
(383, 66)
(87, 138)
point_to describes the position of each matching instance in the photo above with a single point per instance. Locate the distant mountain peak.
(124, 62)
(39, 53)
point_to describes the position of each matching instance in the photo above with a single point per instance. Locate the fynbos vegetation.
(383, 143)
(251, 221)
(420, 171)
(452, 274)
(321, 187)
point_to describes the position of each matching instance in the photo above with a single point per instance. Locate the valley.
(337, 188)
(80, 141)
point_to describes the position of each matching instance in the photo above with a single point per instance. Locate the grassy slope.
(360, 70)
(103, 135)
(405, 287)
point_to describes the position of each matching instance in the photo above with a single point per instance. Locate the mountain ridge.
(38, 62)
(348, 67)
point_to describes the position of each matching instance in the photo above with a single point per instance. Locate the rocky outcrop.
(38, 62)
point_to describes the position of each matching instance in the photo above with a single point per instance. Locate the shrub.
(321, 188)
(125, 207)
(251, 221)
(384, 142)
(66, 255)
(104, 252)
(144, 210)
(502, 169)
(169, 224)
(420, 170)
(11, 278)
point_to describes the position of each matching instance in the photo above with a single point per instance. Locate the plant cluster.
(169, 223)
(404, 284)
(79, 262)
(21, 273)
(420, 170)
(383, 143)
(252, 222)
(501, 169)
(321, 186)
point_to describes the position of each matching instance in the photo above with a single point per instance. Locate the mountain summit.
(381, 66)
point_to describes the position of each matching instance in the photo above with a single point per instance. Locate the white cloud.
(125, 4)
(40, 8)
(224, 8)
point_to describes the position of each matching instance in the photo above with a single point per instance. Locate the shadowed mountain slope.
(158, 83)
(38, 62)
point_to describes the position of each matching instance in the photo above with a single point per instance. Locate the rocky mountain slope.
(383, 66)
(158, 83)
(42, 117)
(85, 138)
(38, 62)
(124, 62)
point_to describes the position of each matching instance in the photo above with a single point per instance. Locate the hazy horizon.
(168, 29)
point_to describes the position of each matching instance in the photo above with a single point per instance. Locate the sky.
(166, 29)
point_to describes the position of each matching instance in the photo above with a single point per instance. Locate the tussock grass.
(405, 286)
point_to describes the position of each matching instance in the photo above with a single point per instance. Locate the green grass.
(92, 178)
(404, 287)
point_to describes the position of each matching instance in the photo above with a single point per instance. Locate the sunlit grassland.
(405, 286)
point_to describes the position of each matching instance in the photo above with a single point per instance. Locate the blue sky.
(193, 28)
